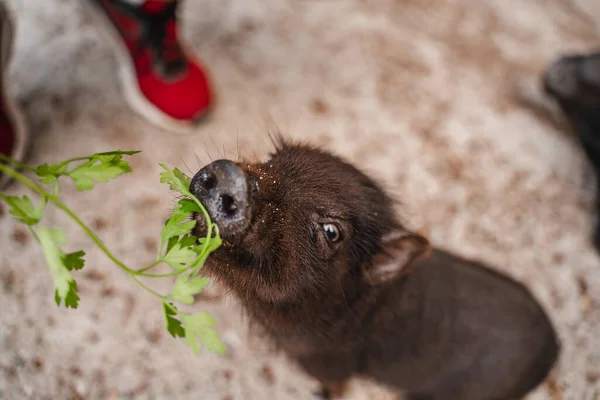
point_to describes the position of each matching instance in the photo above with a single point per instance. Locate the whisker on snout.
(217, 297)
(187, 167)
(208, 153)
(198, 159)
(237, 144)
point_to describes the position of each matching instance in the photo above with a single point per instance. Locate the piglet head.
(297, 224)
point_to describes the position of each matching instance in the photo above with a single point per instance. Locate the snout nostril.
(209, 182)
(229, 206)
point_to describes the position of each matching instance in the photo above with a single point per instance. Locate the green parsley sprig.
(179, 249)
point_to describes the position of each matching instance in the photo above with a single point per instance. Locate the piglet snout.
(222, 186)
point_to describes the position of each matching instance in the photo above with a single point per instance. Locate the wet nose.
(222, 187)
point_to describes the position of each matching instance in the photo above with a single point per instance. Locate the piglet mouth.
(224, 189)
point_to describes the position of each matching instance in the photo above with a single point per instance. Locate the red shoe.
(160, 79)
(14, 137)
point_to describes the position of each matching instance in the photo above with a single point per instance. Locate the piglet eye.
(332, 232)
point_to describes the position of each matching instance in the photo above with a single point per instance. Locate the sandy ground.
(427, 95)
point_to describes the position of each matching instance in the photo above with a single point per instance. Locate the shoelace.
(156, 34)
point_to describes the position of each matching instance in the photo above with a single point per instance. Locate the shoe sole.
(22, 142)
(129, 83)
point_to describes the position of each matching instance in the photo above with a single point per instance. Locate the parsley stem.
(132, 274)
(70, 160)
(142, 270)
(24, 211)
(171, 306)
(36, 188)
(34, 233)
(11, 168)
(16, 175)
(91, 234)
(18, 164)
(209, 225)
(160, 251)
(146, 274)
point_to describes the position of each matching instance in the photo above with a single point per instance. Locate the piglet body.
(320, 262)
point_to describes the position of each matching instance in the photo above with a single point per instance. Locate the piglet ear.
(399, 250)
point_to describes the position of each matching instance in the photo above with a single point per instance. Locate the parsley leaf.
(201, 325)
(23, 210)
(171, 322)
(72, 298)
(114, 159)
(176, 179)
(175, 226)
(188, 206)
(66, 288)
(49, 173)
(74, 260)
(172, 242)
(213, 244)
(185, 289)
(87, 174)
(188, 240)
(110, 165)
(178, 256)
